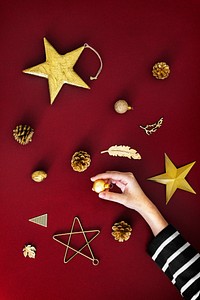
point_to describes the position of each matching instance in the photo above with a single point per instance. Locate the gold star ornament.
(174, 178)
(59, 69)
(94, 232)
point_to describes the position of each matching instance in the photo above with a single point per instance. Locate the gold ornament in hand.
(100, 185)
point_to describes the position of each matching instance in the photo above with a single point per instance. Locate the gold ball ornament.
(121, 106)
(80, 161)
(39, 176)
(23, 134)
(161, 70)
(121, 231)
(100, 185)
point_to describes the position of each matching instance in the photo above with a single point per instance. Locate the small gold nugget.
(39, 176)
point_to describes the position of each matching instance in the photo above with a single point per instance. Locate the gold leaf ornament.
(123, 151)
(29, 251)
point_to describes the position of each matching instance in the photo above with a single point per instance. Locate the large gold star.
(56, 237)
(174, 178)
(58, 69)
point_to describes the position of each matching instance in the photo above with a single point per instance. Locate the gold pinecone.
(80, 161)
(121, 231)
(23, 134)
(161, 70)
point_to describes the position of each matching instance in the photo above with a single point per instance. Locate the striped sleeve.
(178, 260)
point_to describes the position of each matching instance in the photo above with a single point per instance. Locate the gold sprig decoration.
(123, 151)
(161, 70)
(121, 231)
(29, 251)
(149, 129)
(23, 134)
(80, 161)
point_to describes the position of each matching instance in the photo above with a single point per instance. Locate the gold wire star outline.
(58, 69)
(94, 260)
(174, 178)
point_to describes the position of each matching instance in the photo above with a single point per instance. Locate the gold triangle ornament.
(59, 69)
(40, 220)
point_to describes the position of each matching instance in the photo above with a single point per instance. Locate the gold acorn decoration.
(121, 231)
(39, 176)
(161, 70)
(80, 161)
(121, 106)
(23, 134)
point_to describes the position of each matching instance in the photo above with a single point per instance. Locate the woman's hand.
(132, 196)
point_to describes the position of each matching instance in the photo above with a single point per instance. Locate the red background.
(130, 36)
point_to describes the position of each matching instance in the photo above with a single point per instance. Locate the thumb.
(114, 197)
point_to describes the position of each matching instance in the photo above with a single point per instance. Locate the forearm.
(153, 217)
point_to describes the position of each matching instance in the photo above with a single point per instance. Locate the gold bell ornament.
(23, 134)
(121, 106)
(121, 231)
(100, 185)
(39, 176)
(161, 70)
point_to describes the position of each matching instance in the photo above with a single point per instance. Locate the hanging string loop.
(101, 63)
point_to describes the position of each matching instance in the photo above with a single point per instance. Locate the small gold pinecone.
(161, 70)
(23, 134)
(121, 231)
(80, 161)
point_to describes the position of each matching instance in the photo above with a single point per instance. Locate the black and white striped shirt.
(178, 260)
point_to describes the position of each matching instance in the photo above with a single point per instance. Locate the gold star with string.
(58, 69)
(174, 178)
(96, 232)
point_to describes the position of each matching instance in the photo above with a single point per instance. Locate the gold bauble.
(23, 134)
(39, 176)
(161, 70)
(121, 106)
(80, 161)
(121, 231)
(100, 185)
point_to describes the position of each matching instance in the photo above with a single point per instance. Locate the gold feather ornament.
(123, 151)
